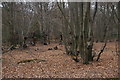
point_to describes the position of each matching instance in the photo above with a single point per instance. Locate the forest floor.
(56, 64)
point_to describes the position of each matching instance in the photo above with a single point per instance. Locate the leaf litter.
(39, 62)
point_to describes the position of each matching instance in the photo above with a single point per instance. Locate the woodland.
(60, 39)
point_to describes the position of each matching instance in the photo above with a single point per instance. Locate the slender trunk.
(85, 33)
(81, 30)
(119, 35)
(91, 38)
(12, 23)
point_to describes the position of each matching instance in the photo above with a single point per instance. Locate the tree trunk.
(119, 35)
(11, 23)
(85, 34)
(81, 29)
